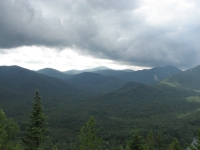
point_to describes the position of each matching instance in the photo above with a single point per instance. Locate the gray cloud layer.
(133, 32)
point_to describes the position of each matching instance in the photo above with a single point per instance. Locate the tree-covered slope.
(172, 111)
(110, 72)
(150, 76)
(54, 73)
(17, 86)
(95, 83)
(73, 71)
(149, 108)
(189, 79)
(22, 80)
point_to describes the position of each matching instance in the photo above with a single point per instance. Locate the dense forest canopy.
(123, 111)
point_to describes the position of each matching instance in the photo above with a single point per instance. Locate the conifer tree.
(8, 132)
(136, 142)
(35, 135)
(174, 145)
(159, 142)
(150, 142)
(88, 137)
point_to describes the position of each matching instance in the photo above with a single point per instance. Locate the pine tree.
(150, 142)
(159, 142)
(174, 145)
(35, 135)
(136, 142)
(88, 137)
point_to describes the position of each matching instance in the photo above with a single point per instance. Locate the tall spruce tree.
(35, 135)
(159, 142)
(150, 142)
(174, 145)
(88, 137)
(136, 142)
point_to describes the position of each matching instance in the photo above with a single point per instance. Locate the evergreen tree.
(150, 142)
(8, 132)
(3, 134)
(35, 135)
(136, 142)
(88, 137)
(159, 142)
(174, 145)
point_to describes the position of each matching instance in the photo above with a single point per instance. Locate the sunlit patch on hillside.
(188, 114)
(174, 84)
(197, 91)
(195, 99)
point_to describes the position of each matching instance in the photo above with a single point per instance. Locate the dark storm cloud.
(133, 32)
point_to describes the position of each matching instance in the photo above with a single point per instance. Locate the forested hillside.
(95, 83)
(150, 76)
(54, 73)
(188, 79)
(160, 109)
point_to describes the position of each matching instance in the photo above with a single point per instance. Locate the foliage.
(174, 145)
(159, 142)
(136, 142)
(8, 132)
(158, 108)
(150, 142)
(36, 129)
(88, 137)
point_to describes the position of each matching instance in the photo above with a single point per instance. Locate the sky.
(80, 34)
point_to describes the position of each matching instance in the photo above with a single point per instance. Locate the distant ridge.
(111, 72)
(25, 81)
(146, 76)
(150, 76)
(95, 82)
(188, 79)
(87, 70)
(54, 73)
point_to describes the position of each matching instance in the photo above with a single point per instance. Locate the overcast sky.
(79, 34)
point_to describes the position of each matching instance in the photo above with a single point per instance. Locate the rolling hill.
(103, 80)
(171, 110)
(110, 72)
(18, 86)
(148, 108)
(189, 79)
(54, 73)
(22, 80)
(73, 72)
(95, 83)
(150, 76)
(146, 76)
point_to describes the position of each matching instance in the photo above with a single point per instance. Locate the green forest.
(39, 133)
(61, 116)
(35, 137)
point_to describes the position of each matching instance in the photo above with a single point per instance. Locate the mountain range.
(189, 79)
(102, 79)
(158, 99)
